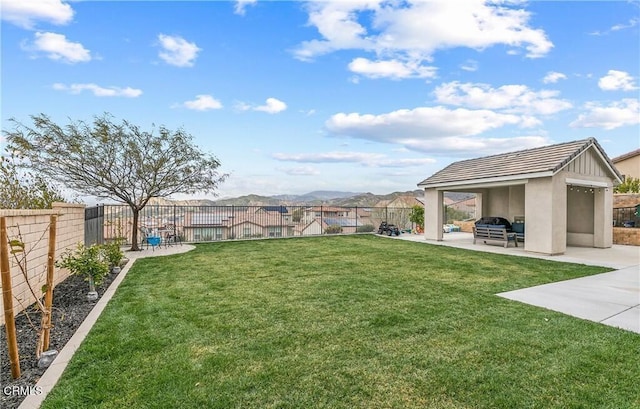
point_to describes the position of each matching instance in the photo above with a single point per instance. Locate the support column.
(479, 203)
(433, 214)
(603, 218)
(546, 216)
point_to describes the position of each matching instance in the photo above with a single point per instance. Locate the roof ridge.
(586, 140)
(577, 152)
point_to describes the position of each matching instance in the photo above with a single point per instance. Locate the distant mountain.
(316, 195)
(160, 201)
(249, 200)
(316, 198)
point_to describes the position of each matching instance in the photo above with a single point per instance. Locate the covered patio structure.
(563, 193)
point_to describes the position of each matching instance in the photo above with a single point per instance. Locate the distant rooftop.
(626, 156)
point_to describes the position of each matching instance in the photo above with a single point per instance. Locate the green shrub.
(367, 228)
(334, 229)
(113, 255)
(88, 262)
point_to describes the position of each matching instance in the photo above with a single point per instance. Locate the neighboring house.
(206, 226)
(313, 228)
(628, 164)
(346, 225)
(404, 202)
(467, 206)
(224, 223)
(321, 212)
(268, 225)
(563, 192)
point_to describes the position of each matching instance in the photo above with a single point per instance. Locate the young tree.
(417, 216)
(24, 190)
(629, 185)
(117, 161)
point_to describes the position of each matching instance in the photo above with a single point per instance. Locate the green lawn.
(345, 322)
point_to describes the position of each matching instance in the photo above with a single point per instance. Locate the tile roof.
(546, 159)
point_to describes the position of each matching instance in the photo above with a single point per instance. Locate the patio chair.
(518, 229)
(169, 235)
(148, 238)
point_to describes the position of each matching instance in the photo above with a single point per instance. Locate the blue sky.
(365, 96)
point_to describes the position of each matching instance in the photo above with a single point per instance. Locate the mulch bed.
(70, 308)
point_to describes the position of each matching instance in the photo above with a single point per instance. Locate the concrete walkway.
(53, 373)
(611, 298)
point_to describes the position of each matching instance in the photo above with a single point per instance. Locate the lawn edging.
(57, 367)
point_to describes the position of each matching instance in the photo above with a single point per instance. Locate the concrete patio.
(611, 298)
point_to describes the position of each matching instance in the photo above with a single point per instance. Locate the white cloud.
(617, 114)
(272, 106)
(393, 69)
(414, 31)
(363, 158)
(99, 91)
(177, 51)
(475, 147)
(25, 13)
(58, 48)
(418, 123)
(404, 162)
(617, 81)
(509, 98)
(328, 157)
(630, 24)
(300, 171)
(469, 65)
(241, 6)
(203, 103)
(436, 129)
(552, 77)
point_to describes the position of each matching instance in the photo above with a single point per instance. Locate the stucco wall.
(33, 227)
(496, 202)
(516, 202)
(629, 167)
(580, 210)
(433, 214)
(546, 215)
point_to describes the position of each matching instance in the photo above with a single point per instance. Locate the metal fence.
(93, 225)
(626, 216)
(194, 224)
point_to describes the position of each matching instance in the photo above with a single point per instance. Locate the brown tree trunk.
(134, 234)
(48, 298)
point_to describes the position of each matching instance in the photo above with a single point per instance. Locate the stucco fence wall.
(33, 226)
(626, 235)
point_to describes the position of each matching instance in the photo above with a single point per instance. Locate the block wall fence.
(33, 227)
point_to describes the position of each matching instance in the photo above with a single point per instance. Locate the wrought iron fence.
(193, 224)
(626, 216)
